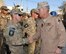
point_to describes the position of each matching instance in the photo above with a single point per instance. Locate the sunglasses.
(19, 14)
(5, 9)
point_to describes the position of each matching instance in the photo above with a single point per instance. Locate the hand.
(25, 41)
(58, 51)
(30, 39)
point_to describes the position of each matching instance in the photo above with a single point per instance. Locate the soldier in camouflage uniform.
(13, 34)
(24, 25)
(31, 30)
(4, 16)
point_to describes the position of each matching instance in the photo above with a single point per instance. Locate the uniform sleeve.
(61, 32)
(36, 35)
(31, 30)
(5, 31)
(38, 32)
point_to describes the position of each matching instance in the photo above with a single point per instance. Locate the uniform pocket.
(49, 26)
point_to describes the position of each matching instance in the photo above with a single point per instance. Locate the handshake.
(25, 41)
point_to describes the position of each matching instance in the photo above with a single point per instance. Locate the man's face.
(35, 15)
(5, 11)
(16, 17)
(43, 12)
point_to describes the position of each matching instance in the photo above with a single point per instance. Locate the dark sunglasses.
(5, 9)
(19, 14)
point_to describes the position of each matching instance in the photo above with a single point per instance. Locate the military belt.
(17, 45)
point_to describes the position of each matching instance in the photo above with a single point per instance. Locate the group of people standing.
(40, 33)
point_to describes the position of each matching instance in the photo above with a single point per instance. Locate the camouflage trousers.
(31, 48)
(16, 49)
(37, 47)
(25, 49)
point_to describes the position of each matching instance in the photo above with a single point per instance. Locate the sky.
(30, 4)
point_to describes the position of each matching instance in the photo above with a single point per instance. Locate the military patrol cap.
(24, 14)
(4, 8)
(34, 11)
(42, 5)
(15, 11)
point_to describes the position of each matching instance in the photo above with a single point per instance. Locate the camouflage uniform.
(38, 42)
(31, 30)
(4, 20)
(13, 35)
(24, 26)
(4, 17)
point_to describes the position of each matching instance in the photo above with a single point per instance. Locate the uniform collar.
(46, 19)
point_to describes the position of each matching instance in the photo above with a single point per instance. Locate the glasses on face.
(6, 10)
(19, 14)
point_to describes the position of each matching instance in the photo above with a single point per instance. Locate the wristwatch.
(60, 47)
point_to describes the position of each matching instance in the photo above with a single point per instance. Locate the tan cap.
(4, 8)
(13, 11)
(34, 10)
(42, 5)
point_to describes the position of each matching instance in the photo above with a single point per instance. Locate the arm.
(36, 36)
(61, 34)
